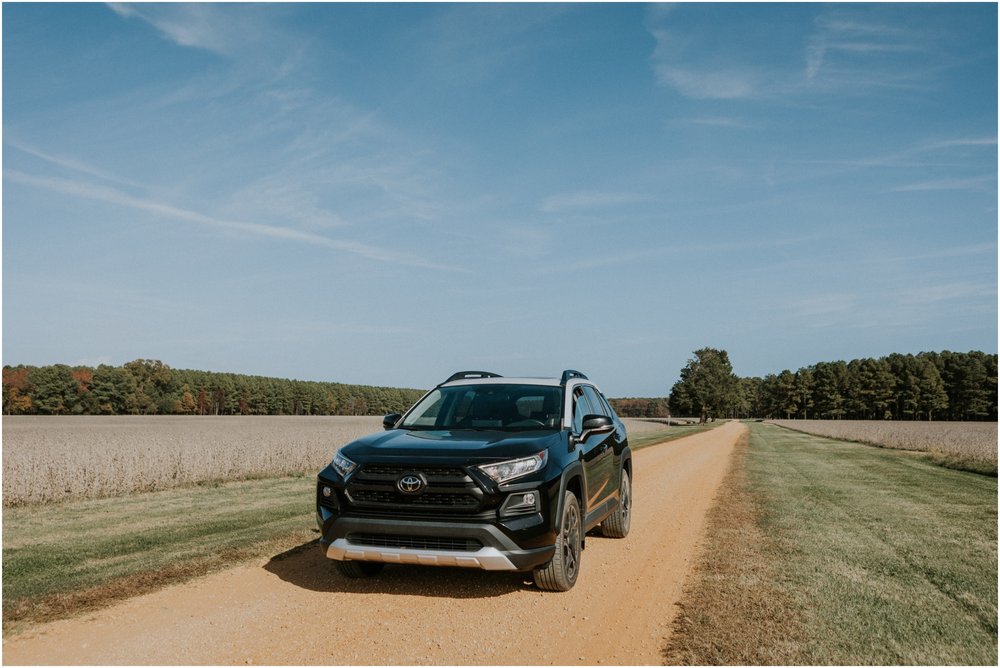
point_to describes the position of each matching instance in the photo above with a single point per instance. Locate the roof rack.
(571, 373)
(462, 375)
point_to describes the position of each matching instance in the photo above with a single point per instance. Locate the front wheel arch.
(573, 481)
(561, 573)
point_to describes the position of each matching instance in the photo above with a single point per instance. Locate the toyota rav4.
(484, 472)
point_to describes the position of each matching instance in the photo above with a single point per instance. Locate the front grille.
(425, 499)
(398, 471)
(449, 490)
(415, 542)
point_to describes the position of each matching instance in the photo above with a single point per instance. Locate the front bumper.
(487, 558)
(344, 538)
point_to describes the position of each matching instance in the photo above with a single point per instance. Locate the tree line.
(927, 386)
(639, 407)
(150, 387)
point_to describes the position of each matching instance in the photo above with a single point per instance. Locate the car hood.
(458, 446)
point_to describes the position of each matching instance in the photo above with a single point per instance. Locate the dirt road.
(296, 609)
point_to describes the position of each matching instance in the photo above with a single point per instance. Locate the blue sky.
(384, 194)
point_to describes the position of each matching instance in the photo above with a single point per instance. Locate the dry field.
(976, 441)
(57, 458)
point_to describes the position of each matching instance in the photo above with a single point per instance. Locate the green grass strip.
(892, 559)
(670, 433)
(59, 558)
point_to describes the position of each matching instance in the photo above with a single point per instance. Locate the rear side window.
(596, 405)
(608, 406)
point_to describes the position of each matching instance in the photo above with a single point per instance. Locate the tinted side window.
(581, 407)
(608, 406)
(596, 404)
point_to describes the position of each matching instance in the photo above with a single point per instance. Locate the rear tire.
(617, 524)
(359, 569)
(560, 574)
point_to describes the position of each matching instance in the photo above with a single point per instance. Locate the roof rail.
(462, 375)
(571, 373)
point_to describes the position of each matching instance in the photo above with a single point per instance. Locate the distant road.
(295, 609)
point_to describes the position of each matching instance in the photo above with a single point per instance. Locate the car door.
(607, 448)
(593, 450)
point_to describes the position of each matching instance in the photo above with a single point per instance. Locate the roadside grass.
(63, 558)
(733, 611)
(874, 556)
(670, 433)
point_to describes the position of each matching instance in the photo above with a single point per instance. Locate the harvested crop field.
(974, 443)
(57, 458)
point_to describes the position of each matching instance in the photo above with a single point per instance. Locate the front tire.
(560, 574)
(617, 524)
(359, 569)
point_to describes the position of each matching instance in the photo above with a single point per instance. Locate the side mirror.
(390, 420)
(595, 424)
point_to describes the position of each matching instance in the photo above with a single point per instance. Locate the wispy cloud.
(939, 253)
(837, 33)
(706, 84)
(475, 42)
(526, 242)
(947, 292)
(861, 49)
(850, 51)
(826, 305)
(586, 200)
(195, 25)
(603, 260)
(700, 63)
(68, 162)
(251, 39)
(892, 307)
(117, 197)
(716, 122)
(985, 183)
(962, 142)
(931, 156)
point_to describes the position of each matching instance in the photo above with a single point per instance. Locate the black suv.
(485, 472)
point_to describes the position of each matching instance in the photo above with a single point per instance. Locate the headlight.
(501, 472)
(342, 464)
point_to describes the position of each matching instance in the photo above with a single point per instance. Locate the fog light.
(521, 503)
(327, 492)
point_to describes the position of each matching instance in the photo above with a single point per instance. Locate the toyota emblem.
(410, 484)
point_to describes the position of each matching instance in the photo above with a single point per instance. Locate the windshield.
(492, 407)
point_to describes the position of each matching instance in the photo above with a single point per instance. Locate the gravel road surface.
(295, 608)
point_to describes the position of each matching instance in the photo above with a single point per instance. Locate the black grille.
(398, 471)
(448, 489)
(425, 499)
(415, 542)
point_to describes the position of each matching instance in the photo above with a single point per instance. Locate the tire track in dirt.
(295, 609)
